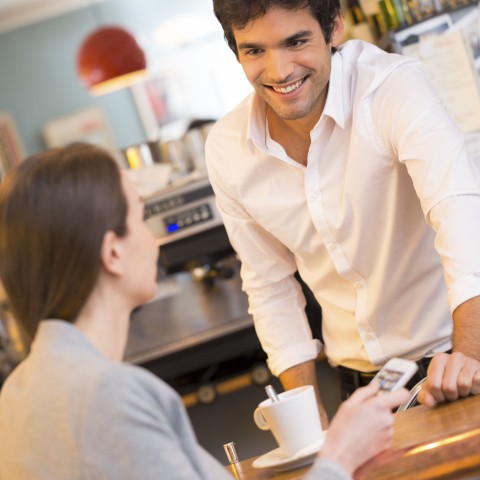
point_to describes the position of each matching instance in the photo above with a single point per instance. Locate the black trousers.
(351, 379)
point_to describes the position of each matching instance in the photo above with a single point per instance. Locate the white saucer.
(278, 461)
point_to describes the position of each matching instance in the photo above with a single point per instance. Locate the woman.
(75, 259)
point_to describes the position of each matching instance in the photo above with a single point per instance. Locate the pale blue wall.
(37, 67)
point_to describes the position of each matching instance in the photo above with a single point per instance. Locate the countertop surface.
(429, 443)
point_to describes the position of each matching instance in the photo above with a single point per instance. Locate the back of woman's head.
(55, 208)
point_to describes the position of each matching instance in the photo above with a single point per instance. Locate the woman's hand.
(362, 427)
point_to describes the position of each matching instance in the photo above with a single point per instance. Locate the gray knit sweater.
(66, 412)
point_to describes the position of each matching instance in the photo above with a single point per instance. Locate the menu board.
(449, 48)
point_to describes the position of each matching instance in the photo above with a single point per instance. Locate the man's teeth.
(288, 89)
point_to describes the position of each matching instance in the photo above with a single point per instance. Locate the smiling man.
(344, 165)
(290, 71)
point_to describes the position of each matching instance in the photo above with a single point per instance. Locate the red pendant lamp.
(109, 59)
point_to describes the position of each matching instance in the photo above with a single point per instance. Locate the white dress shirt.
(385, 165)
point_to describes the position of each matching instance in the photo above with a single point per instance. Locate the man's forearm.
(305, 374)
(466, 328)
(450, 377)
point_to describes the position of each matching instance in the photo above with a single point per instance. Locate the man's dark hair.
(235, 14)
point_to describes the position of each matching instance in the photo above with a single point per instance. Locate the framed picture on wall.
(155, 99)
(200, 80)
(87, 125)
(11, 149)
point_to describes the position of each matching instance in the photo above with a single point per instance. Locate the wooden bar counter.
(428, 443)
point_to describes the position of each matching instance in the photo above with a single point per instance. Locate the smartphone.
(395, 374)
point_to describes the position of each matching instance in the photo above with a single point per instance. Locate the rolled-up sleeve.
(276, 301)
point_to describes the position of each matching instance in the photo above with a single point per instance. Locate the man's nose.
(278, 66)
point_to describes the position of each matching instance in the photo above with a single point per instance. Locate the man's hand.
(449, 377)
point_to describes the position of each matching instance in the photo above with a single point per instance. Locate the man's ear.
(111, 253)
(337, 33)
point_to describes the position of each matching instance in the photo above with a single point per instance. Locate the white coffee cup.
(294, 420)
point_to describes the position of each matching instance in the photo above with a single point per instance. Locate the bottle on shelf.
(414, 11)
(389, 14)
(374, 17)
(356, 12)
(399, 13)
(426, 8)
(359, 25)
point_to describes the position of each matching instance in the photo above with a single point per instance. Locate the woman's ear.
(337, 33)
(111, 253)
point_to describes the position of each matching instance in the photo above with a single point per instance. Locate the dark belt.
(351, 379)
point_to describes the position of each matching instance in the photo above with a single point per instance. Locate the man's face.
(286, 59)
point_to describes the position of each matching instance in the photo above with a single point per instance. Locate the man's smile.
(289, 88)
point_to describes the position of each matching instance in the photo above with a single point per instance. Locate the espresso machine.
(187, 226)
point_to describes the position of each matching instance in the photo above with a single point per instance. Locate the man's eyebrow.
(291, 38)
(298, 35)
(248, 46)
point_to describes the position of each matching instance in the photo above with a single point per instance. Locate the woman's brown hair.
(55, 209)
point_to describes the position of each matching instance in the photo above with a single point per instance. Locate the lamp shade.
(108, 59)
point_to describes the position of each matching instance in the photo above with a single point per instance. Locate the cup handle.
(260, 419)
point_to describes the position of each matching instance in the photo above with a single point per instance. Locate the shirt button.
(332, 247)
(358, 285)
(369, 336)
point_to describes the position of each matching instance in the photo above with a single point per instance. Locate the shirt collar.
(336, 101)
(256, 132)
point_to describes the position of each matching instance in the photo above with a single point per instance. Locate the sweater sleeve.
(326, 469)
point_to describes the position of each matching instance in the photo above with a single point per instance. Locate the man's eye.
(295, 43)
(252, 52)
